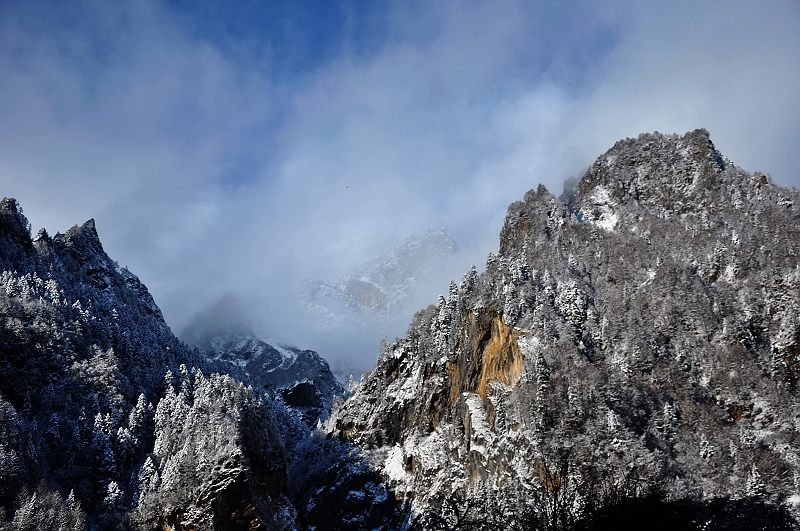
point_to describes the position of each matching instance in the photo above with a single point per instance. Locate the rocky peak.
(42, 236)
(641, 183)
(14, 231)
(665, 175)
(82, 240)
(11, 216)
(657, 160)
(647, 325)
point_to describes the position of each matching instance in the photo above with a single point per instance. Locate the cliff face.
(641, 331)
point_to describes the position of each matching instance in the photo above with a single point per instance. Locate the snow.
(794, 501)
(600, 201)
(479, 428)
(730, 272)
(394, 465)
(650, 275)
(410, 385)
(289, 357)
(528, 344)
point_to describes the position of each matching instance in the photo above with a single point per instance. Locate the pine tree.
(755, 487)
(114, 497)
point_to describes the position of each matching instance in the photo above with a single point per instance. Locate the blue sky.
(242, 147)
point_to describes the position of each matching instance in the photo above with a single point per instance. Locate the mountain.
(629, 357)
(108, 420)
(382, 287)
(302, 379)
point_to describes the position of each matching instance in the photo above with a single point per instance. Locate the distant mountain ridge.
(382, 286)
(302, 378)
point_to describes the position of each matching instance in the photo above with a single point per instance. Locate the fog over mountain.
(247, 150)
(631, 354)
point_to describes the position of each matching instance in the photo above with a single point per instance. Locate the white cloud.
(208, 175)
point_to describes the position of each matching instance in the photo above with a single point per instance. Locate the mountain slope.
(104, 412)
(642, 336)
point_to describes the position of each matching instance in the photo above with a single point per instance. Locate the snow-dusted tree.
(46, 509)
(755, 487)
(114, 498)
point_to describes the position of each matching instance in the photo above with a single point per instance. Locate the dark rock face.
(302, 395)
(91, 433)
(641, 333)
(15, 231)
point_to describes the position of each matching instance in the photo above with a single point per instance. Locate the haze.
(243, 150)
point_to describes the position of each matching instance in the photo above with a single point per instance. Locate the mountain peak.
(83, 239)
(88, 231)
(42, 235)
(223, 334)
(15, 237)
(648, 328)
(11, 217)
(656, 159)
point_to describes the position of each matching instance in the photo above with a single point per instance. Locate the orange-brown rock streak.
(501, 357)
(490, 354)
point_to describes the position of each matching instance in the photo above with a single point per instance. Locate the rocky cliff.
(635, 342)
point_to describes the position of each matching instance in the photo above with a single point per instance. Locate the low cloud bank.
(213, 166)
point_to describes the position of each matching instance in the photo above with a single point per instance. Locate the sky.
(240, 148)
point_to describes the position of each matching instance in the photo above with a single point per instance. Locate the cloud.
(212, 165)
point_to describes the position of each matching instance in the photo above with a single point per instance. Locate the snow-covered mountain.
(301, 378)
(107, 420)
(382, 287)
(632, 353)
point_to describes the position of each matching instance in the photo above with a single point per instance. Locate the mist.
(244, 154)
